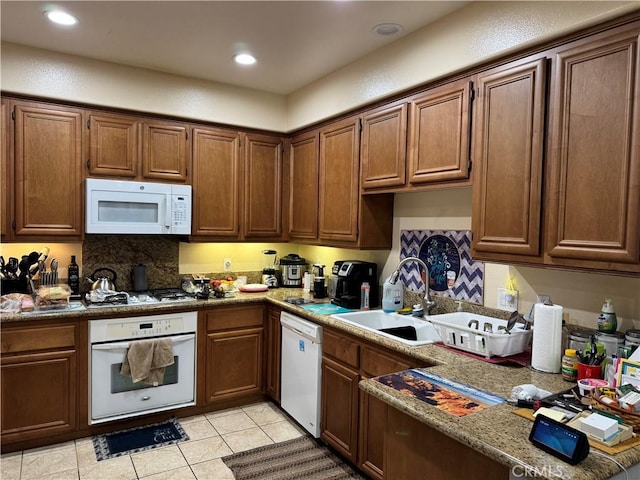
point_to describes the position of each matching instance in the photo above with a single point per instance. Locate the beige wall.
(38, 72)
(466, 37)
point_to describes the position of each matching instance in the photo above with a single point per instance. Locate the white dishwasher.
(300, 371)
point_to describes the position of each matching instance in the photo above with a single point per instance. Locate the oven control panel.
(142, 327)
(145, 329)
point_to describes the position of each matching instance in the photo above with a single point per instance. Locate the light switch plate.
(507, 299)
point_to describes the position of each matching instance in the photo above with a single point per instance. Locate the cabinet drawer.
(234, 317)
(30, 339)
(374, 363)
(340, 348)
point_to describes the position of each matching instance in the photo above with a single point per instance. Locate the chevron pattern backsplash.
(452, 272)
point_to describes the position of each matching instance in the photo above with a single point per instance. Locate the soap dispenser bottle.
(607, 320)
(392, 294)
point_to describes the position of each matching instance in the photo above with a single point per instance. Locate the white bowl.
(586, 385)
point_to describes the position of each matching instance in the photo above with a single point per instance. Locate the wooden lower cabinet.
(339, 415)
(414, 451)
(39, 382)
(234, 353)
(352, 421)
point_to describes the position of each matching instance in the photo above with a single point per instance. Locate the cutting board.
(621, 447)
(325, 308)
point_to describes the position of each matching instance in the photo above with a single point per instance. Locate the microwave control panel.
(180, 210)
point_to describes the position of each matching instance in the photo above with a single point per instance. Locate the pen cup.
(589, 371)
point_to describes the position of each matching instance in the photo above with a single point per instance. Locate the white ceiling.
(295, 42)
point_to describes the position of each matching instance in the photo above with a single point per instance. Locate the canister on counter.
(579, 337)
(632, 339)
(611, 341)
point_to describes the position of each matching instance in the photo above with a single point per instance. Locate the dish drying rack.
(482, 335)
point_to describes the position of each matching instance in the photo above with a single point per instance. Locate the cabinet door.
(216, 181)
(339, 168)
(38, 395)
(6, 216)
(373, 412)
(412, 448)
(164, 151)
(594, 193)
(234, 364)
(113, 145)
(339, 415)
(263, 186)
(48, 171)
(384, 147)
(439, 134)
(303, 187)
(274, 339)
(508, 150)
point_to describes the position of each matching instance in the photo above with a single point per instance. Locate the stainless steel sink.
(402, 328)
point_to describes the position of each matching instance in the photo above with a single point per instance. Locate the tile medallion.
(447, 253)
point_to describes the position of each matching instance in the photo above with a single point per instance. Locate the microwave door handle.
(113, 346)
(167, 211)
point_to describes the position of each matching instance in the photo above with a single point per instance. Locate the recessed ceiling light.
(244, 59)
(60, 17)
(387, 29)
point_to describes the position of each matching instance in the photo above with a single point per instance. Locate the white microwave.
(116, 206)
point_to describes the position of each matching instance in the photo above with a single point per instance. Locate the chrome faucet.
(427, 302)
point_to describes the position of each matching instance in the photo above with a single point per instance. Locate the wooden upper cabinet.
(48, 171)
(338, 187)
(263, 186)
(384, 147)
(164, 151)
(216, 182)
(439, 133)
(303, 186)
(113, 145)
(134, 148)
(594, 168)
(508, 159)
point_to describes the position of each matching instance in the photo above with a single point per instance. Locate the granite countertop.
(496, 432)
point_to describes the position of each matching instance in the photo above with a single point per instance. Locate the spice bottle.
(570, 365)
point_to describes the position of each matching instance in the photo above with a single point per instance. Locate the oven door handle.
(112, 346)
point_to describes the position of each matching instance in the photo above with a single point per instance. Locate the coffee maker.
(347, 276)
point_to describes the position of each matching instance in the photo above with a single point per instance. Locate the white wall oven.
(113, 396)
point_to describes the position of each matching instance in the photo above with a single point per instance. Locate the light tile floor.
(211, 436)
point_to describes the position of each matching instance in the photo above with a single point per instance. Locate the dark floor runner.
(138, 439)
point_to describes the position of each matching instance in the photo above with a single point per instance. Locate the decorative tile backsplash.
(447, 253)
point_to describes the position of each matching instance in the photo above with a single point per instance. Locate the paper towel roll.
(546, 347)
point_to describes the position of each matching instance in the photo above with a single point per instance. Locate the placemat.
(522, 359)
(325, 308)
(619, 448)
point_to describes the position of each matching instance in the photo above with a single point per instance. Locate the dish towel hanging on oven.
(146, 360)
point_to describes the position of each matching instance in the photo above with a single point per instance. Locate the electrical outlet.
(228, 265)
(507, 299)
